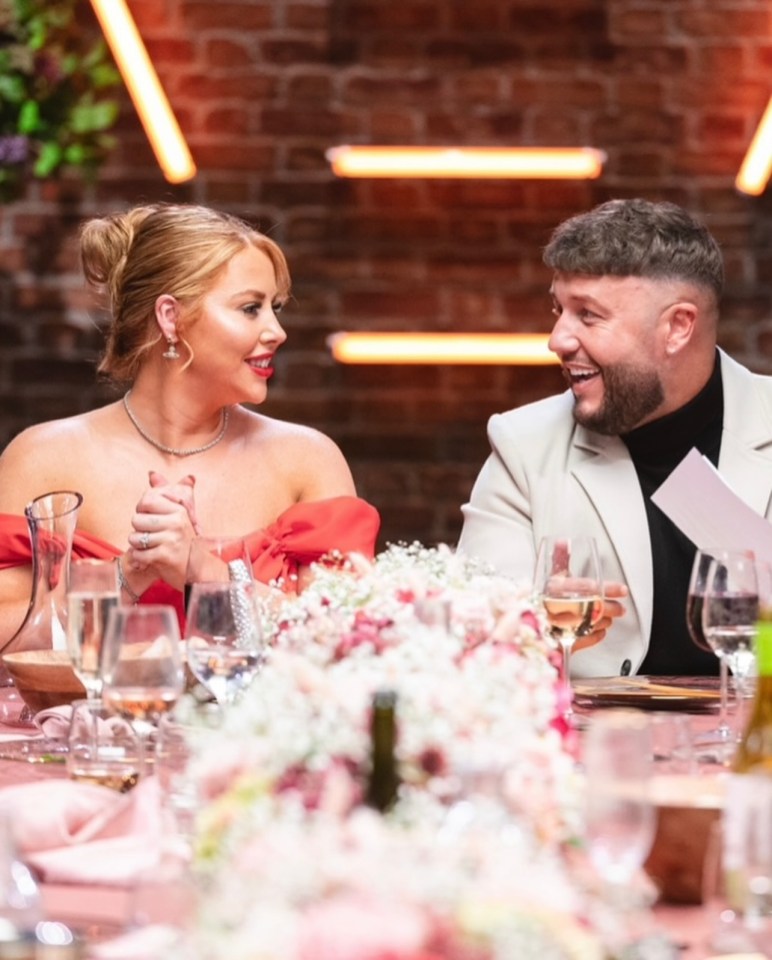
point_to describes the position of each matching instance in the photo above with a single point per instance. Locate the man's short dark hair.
(637, 238)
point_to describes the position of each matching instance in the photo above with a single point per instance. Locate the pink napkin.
(80, 833)
(55, 721)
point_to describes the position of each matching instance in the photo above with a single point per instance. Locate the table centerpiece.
(473, 862)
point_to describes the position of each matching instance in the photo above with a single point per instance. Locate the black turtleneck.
(656, 449)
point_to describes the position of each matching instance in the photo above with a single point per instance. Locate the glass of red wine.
(730, 613)
(695, 600)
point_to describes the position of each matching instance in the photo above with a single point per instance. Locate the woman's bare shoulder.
(270, 431)
(46, 456)
(314, 461)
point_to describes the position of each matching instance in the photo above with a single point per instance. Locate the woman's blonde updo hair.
(161, 249)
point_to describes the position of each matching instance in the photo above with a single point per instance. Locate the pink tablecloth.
(106, 909)
(97, 910)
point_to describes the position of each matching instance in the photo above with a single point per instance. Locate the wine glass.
(620, 817)
(220, 559)
(730, 612)
(695, 600)
(569, 586)
(142, 669)
(737, 872)
(93, 592)
(224, 640)
(102, 748)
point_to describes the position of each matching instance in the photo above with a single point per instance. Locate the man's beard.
(629, 396)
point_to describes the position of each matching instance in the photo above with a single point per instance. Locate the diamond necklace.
(171, 450)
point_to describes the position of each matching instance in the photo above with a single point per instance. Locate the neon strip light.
(145, 90)
(757, 164)
(478, 162)
(461, 348)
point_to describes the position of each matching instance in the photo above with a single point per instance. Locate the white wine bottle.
(754, 751)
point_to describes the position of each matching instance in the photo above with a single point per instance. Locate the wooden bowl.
(44, 678)
(688, 807)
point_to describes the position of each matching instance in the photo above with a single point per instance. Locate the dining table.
(100, 911)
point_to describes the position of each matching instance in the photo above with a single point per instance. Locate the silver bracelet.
(123, 583)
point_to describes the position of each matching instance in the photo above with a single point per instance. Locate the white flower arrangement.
(470, 863)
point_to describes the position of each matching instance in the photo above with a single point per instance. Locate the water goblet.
(568, 584)
(93, 592)
(102, 748)
(737, 874)
(620, 816)
(224, 639)
(730, 612)
(174, 760)
(142, 668)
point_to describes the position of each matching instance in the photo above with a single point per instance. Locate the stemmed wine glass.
(142, 668)
(224, 639)
(620, 817)
(730, 613)
(695, 599)
(93, 592)
(568, 584)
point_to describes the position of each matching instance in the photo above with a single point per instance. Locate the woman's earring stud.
(171, 351)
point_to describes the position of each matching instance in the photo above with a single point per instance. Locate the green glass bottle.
(383, 782)
(754, 752)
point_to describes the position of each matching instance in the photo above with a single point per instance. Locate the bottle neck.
(384, 777)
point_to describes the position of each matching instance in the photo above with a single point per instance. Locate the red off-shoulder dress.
(303, 534)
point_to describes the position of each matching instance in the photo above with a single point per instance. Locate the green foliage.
(55, 86)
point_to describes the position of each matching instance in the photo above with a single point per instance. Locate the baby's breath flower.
(472, 850)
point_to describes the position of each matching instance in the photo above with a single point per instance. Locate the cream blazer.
(547, 474)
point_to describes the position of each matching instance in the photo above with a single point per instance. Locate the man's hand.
(612, 608)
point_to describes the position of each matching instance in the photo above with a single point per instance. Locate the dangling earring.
(171, 351)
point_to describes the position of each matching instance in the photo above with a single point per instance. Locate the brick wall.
(670, 89)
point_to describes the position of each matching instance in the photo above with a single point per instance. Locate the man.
(636, 291)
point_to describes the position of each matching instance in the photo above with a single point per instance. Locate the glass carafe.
(51, 519)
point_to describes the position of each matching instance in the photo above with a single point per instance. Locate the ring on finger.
(144, 540)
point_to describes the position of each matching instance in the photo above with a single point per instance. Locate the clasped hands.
(163, 524)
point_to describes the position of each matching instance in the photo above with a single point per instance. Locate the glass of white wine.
(224, 639)
(142, 669)
(568, 585)
(93, 591)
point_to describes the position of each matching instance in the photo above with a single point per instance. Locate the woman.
(194, 296)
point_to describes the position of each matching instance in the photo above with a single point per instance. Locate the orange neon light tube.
(472, 162)
(460, 348)
(145, 90)
(757, 163)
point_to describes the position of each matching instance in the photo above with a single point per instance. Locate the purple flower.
(13, 149)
